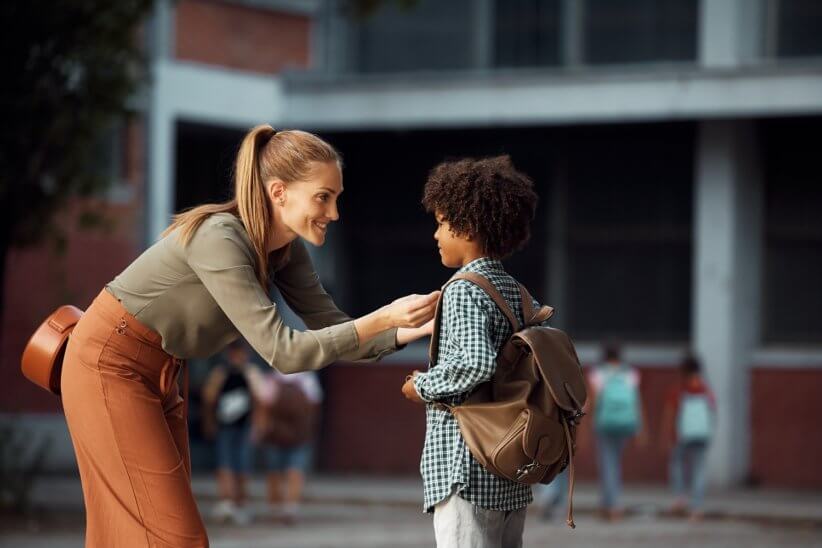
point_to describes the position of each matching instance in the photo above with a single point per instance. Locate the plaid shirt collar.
(483, 264)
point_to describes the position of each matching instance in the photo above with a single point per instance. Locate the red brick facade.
(240, 37)
(786, 445)
(370, 428)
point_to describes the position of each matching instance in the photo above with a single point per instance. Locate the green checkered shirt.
(472, 331)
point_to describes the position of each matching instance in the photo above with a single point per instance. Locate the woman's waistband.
(112, 309)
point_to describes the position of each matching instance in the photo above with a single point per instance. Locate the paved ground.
(368, 512)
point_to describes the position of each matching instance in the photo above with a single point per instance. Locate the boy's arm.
(470, 358)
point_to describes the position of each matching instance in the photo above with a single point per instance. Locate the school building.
(674, 145)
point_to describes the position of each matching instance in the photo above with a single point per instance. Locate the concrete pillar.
(727, 281)
(161, 131)
(730, 32)
(571, 44)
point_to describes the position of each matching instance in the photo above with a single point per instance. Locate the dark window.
(793, 231)
(412, 36)
(387, 245)
(631, 31)
(527, 33)
(799, 28)
(629, 233)
(204, 164)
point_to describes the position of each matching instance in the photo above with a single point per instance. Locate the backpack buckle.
(525, 470)
(575, 418)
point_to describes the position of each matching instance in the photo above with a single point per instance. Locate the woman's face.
(307, 207)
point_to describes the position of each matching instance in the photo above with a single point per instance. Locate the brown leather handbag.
(42, 359)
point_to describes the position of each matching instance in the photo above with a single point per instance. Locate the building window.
(793, 231)
(204, 164)
(795, 27)
(636, 31)
(527, 33)
(629, 229)
(407, 37)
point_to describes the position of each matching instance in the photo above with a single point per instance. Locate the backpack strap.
(496, 296)
(485, 285)
(533, 317)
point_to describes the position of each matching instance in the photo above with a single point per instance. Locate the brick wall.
(370, 428)
(786, 445)
(240, 37)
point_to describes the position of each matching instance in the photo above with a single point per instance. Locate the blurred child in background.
(688, 422)
(285, 427)
(228, 398)
(618, 416)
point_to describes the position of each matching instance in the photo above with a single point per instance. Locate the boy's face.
(455, 250)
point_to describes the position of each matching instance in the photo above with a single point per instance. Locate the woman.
(200, 287)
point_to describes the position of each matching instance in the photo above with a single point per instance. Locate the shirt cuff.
(384, 343)
(418, 378)
(343, 338)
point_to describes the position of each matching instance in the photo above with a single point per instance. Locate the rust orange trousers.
(128, 425)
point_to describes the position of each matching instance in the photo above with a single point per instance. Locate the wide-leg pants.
(128, 425)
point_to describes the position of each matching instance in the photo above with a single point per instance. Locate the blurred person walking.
(201, 286)
(618, 416)
(229, 395)
(287, 427)
(688, 420)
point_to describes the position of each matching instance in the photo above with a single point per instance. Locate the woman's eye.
(322, 197)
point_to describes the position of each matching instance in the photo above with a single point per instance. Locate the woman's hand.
(411, 311)
(406, 335)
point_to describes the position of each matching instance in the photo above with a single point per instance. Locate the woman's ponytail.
(251, 195)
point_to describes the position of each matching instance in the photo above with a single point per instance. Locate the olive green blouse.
(202, 296)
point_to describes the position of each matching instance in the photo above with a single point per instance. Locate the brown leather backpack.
(521, 425)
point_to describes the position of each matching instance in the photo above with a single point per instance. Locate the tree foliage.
(69, 68)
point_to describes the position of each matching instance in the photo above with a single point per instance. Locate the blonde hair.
(264, 154)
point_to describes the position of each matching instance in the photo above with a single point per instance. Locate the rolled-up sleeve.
(301, 288)
(469, 356)
(225, 266)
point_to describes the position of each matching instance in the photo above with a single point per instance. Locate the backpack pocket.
(531, 446)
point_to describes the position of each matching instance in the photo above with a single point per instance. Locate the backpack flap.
(557, 362)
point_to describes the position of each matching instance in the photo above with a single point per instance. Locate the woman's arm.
(224, 264)
(301, 288)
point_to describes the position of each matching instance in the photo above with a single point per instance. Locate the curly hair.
(486, 199)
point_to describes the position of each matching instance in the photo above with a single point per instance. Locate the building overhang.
(525, 98)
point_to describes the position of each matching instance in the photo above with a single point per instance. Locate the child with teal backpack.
(688, 423)
(618, 416)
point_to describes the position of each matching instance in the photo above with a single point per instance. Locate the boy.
(483, 210)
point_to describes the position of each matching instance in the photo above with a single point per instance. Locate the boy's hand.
(409, 390)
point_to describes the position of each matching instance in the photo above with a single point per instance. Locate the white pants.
(460, 524)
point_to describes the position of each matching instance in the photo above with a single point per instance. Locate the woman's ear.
(276, 191)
